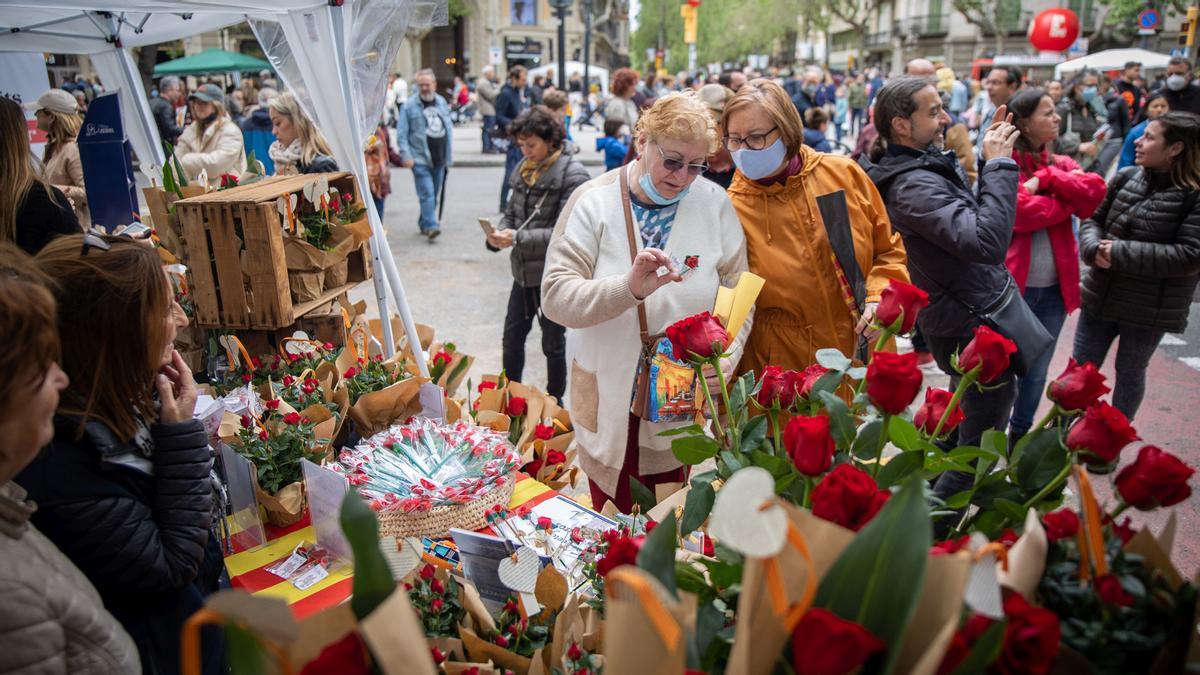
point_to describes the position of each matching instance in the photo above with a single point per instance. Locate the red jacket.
(1061, 193)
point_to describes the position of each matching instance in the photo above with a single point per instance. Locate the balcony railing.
(878, 40)
(931, 25)
(1016, 23)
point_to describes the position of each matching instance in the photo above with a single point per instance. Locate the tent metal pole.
(381, 248)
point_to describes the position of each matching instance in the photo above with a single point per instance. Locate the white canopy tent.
(1113, 59)
(342, 51)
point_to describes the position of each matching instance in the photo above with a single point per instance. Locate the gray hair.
(168, 82)
(425, 71)
(265, 95)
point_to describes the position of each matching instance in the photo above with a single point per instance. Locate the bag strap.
(643, 324)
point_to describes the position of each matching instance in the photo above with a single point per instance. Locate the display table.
(247, 569)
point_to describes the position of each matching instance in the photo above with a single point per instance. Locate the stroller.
(462, 107)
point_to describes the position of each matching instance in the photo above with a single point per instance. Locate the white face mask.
(1176, 82)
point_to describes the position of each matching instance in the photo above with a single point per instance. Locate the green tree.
(993, 17)
(1115, 25)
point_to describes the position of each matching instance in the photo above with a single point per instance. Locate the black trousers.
(525, 304)
(987, 409)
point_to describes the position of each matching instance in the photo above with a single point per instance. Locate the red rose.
(1154, 480)
(264, 436)
(849, 497)
(555, 457)
(989, 351)
(533, 467)
(442, 358)
(1122, 530)
(437, 654)
(436, 604)
(347, 656)
(950, 546)
(930, 413)
(501, 641)
(1030, 639)
(350, 373)
(1109, 588)
(544, 431)
(544, 523)
(292, 418)
(621, 551)
(427, 572)
(701, 337)
(899, 304)
(437, 586)
(1078, 387)
(1008, 537)
(486, 385)
(288, 380)
(809, 444)
(1061, 524)
(246, 422)
(1100, 435)
(256, 362)
(574, 652)
(777, 385)
(893, 381)
(328, 346)
(247, 378)
(960, 645)
(272, 404)
(826, 644)
(517, 406)
(807, 378)
(710, 549)
(650, 525)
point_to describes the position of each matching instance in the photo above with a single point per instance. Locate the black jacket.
(956, 239)
(552, 190)
(508, 106)
(1155, 230)
(1186, 99)
(320, 164)
(40, 218)
(139, 537)
(164, 117)
(1118, 115)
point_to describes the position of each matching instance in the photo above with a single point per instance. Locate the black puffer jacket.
(540, 206)
(137, 528)
(1155, 230)
(956, 239)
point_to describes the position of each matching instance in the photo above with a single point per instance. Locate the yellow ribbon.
(664, 624)
(1091, 541)
(778, 591)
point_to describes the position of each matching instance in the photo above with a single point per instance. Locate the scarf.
(532, 171)
(289, 156)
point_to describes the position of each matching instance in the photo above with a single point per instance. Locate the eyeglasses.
(674, 165)
(91, 241)
(753, 141)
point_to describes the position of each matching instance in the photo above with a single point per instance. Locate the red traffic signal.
(693, 3)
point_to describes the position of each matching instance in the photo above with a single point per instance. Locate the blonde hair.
(679, 115)
(778, 105)
(312, 143)
(64, 128)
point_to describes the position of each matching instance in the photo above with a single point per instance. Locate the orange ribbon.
(358, 343)
(778, 591)
(664, 624)
(996, 548)
(1091, 540)
(241, 348)
(190, 643)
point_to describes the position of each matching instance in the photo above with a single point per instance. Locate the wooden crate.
(323, 324)
(235, 254)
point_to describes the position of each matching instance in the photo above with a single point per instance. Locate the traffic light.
(693, 3)
(688, 12)
(1187, 32)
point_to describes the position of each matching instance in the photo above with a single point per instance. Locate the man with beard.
(956, 238)
(423, 143)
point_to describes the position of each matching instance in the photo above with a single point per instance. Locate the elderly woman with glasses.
(826, 256)
(634, 251)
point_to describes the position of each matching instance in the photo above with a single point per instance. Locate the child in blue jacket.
(614, 144)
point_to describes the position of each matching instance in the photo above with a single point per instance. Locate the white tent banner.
(116, 67)
(23, 79)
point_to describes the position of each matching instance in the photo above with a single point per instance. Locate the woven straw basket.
(437, 521)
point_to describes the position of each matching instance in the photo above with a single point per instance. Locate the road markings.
(1169, 340)
(1193, 361)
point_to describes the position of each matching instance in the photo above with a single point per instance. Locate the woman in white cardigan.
(592, 287)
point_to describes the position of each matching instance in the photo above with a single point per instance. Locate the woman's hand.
(864, 327)
(502, 238)
(1089, 149)
(644, 278)
(1032, 185)
(176, 391)
(1104, 254)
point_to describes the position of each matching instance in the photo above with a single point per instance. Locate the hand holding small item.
(644, 278)
(502, 238)
(176, 391)
(1104, 255)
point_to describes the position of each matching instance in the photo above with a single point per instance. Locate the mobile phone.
(487, 226)
(1102, 132)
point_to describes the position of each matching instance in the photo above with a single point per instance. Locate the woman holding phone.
(541, 186)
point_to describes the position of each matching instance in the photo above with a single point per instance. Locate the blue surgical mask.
(759, 164)
(656, 196)
(1089, 93)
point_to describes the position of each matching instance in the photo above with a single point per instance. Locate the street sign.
(1149, 19)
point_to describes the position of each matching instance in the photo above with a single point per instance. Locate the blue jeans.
(1093, 338)
(428, 180)
(489, 123)
(1047, 305)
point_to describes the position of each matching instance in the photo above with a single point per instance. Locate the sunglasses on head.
(91, 241)
(673, 165)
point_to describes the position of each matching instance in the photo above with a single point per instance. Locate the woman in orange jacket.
(809, 301)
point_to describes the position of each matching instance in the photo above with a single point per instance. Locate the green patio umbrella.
(212, 61)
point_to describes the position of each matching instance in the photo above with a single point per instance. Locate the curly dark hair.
(539, 122)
